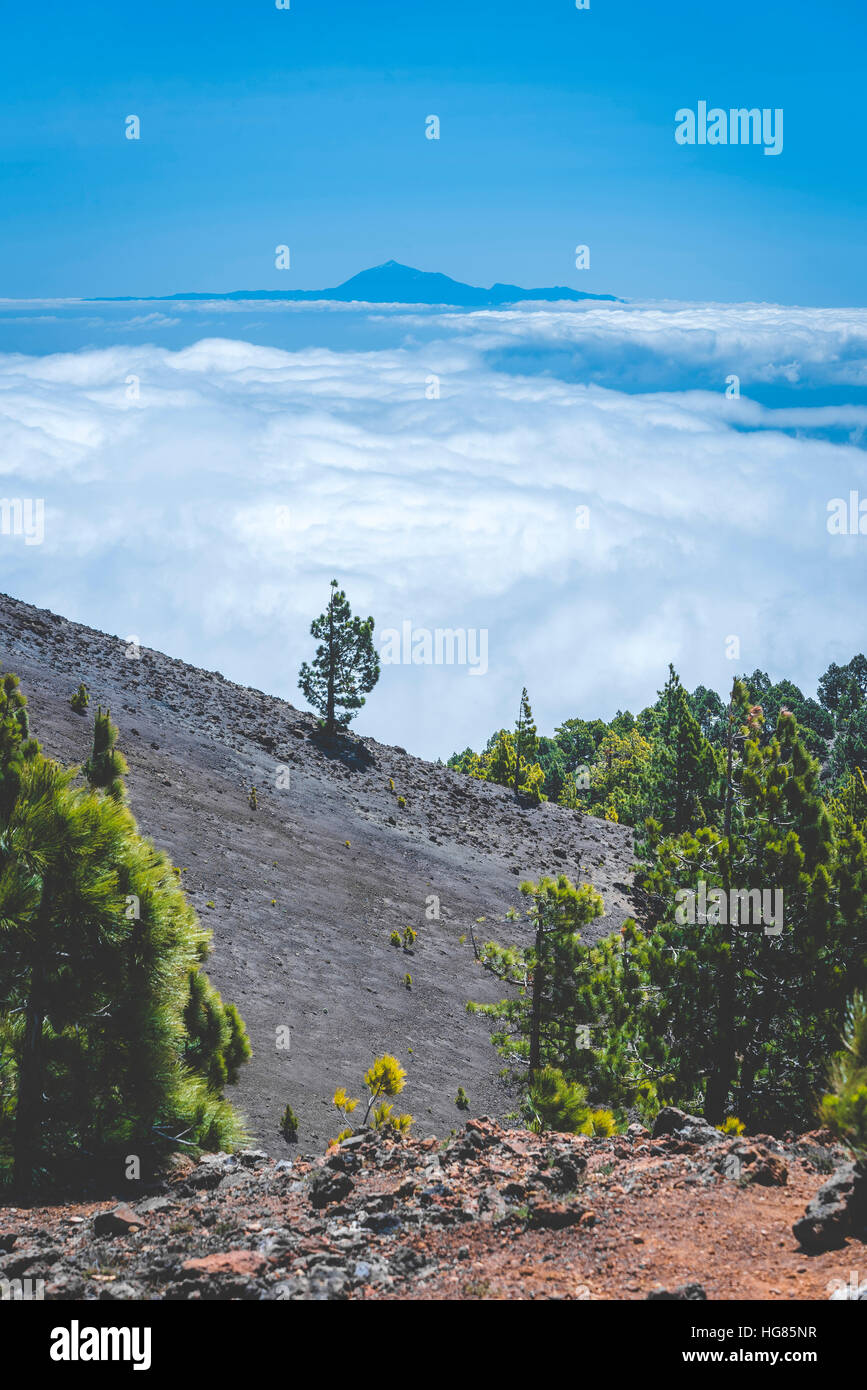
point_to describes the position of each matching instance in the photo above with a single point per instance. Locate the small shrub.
(253, 799)
(407, 980)
(732, 1125)
(409, 936)
(462, 1100)
(557, 1104)
(401, 801)
(289, 1125)
(602, 1122)
(395, 938)
(80, 700)
(385, 1078)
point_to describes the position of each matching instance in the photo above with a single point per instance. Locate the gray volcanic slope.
(301, 919)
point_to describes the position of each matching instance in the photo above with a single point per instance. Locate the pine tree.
(526, 742)
(537, 1027)
(507, 759)
(620, 776)
(216, 1040)
(106, 767)
(849, 802)
(844, 1111)
(16, 745)
(346, 666)
(98, 944)
(684, 773)
(741, 1016)
(500, 759)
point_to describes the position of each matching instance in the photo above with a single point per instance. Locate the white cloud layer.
(207, 514)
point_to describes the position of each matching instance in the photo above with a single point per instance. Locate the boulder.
(328, 1187)
(838, 1210)
(691, 1128)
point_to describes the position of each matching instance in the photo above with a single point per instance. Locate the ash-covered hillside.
(303, 892)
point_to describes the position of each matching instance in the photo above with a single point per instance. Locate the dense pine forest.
(728, 992)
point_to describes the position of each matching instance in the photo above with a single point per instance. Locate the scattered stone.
(555, 1215)
(120, 1221)
(383, 1223)
(692, 1293)
(328, 1187)
(768, 1171)
(241, 1263)
(251, 1157)
(152, 1204)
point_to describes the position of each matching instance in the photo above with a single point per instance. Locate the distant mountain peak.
(395, 283)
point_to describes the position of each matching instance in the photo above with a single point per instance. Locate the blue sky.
(306, 127)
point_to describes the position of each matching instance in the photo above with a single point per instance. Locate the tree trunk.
(720, 1079)
(519, 738)
(754, 1056)
(329, 711)
(722, 1075)
(27, 1113)
(536, 1014)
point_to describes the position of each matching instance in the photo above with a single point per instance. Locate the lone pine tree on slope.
(345, 667)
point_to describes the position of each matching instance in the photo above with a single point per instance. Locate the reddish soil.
(493, 1214)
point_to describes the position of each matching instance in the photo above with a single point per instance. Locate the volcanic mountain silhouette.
(393, 283)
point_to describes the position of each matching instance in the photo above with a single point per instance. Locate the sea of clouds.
(202, 498)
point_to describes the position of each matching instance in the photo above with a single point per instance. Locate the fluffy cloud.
(667, 344)
(202, 499)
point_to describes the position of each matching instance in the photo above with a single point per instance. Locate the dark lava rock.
(384, 1223)
(692, 1128)
(838, 1210)
(328, 1187)
(768, 1172)
(120, 1221)
(553, 1216)
(564, 1174)
(684, 1293)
